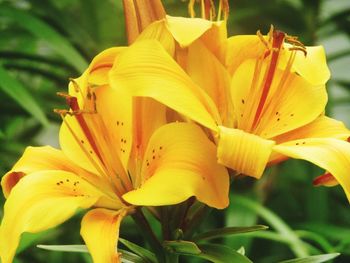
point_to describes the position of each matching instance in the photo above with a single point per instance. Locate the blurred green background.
(43, 43)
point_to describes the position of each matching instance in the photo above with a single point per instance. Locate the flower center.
(269, 79)
(94, 139)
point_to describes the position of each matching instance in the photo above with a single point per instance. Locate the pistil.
(277, 42)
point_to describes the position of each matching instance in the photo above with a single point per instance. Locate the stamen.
(277, 42)
(208, 11)
(191, 11)
(297, 45)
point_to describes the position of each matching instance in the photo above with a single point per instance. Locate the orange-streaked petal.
(330, 154)
(325, 180)
(94, 140)
(180, 162)
(77, 146)
(155, 74)
(40, 201)
(101, 226)
(35, 159)
(243, 152)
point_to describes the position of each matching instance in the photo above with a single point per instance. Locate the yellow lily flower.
(263, 97)
(109, 162)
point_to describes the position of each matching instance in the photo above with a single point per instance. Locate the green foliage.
(43, 43)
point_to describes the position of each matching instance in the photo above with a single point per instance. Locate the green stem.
(148, 234)
(171, 258)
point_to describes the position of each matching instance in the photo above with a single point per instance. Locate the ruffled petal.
(101, 226)
(180, 162)
(243, 152)
(333, 155)
(155, 74)
(40, 201)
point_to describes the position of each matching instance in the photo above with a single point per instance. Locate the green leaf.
(296, 244)
(43, 31)
(145, 254)
(313, 259)
(20, 94)
(127, 257)
(65, 248)
(221, 254)
(217, 233)
(182, 247)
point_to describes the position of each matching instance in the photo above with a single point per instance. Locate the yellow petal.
(41, 201)
(243, 152)
(149, 115)
(180, 162)
(242, 47)
(158, 31)
(115, 109)
(95, 74)
(146, 69)
(312, 67)
(187, 30)
(101, 226)
(322, 127)
(215, 39)
(330, 154)
(36, 159)
(208, 73)
(77, 147)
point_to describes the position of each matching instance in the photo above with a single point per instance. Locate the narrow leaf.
(65, 248)
(313, 259)
(20, 94)
(145, 254)
(182, 247)
(127, 257)
(221, 254)
(217, 233)
(43, 31)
